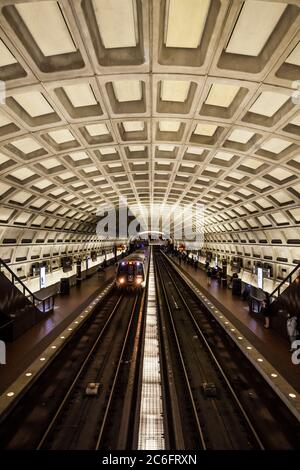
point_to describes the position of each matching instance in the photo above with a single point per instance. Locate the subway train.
(131, 271)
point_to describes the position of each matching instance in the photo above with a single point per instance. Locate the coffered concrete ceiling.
(163, 101)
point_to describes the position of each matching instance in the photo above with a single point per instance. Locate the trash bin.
(65, 285)
(224, 281)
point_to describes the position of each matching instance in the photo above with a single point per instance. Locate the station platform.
(268, 342)
(24, 350)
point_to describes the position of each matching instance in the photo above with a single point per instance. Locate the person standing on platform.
(292, 329)
(209, 273)
(265, 310)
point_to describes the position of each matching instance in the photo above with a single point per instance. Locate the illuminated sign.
(42, 277)
(260, 278)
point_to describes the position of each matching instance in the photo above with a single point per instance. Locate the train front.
(130, 275)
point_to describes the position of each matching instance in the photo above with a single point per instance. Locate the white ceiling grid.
(164, 102)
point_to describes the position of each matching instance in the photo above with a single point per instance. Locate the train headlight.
(121, 280)
(139, 281)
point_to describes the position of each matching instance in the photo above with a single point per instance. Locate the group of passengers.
(192, 260)
(292, 319)
(292, 322)
(215, 272)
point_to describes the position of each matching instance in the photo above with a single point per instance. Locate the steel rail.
(84, 364)
(215, 360)
(112, 391)
(184, 368)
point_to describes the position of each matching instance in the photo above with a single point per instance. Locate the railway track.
(221, 403)
(81, 421)
(56, 413)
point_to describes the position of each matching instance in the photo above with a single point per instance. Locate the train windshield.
(139, 269)
(122, 269)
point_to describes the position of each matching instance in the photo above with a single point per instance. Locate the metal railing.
(287, 280)
(44, 305)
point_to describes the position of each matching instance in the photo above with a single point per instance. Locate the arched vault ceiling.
(163, 101)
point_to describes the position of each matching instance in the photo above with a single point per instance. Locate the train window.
(139, 269)
(122, 268)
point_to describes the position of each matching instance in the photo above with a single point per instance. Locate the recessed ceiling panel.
(133, 126)
(276, 145)
(47, 26)
(180, 122)
(185, 22)
(280, 174)
(240, 135)
(50, 163)
(21, 197)
(117, 22)
(97, 129)
(221, 95)
(255, 24)
(34, 103)
(107, 150)
(296, 120)
(26, 145)
(294, 57)
(77, 156)
(22, 173)
(195, 150)
(205, 129)
(127, 90)
(268, 103)
(224, 156)
(252, 163)
(80, 95)
(169, 126)
(4, 121)
(61, 136)
(175, 90)
(6, 57)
